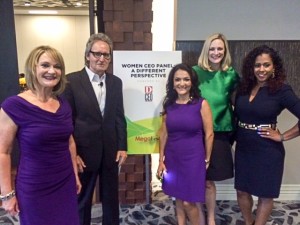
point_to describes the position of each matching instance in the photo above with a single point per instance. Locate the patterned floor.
(161, 212)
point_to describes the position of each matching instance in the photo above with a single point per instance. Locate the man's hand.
(121, 157)
(80, 164)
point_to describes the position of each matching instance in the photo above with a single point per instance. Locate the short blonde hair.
(32, 62)
(203, 60)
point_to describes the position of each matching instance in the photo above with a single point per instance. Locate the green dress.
(217, 88)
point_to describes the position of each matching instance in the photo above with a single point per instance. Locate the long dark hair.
(249, 81)
(171, 94)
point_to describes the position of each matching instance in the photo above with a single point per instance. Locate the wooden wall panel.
(128, 23)
(288, 50)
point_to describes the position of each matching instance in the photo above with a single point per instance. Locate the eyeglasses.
(98, 55)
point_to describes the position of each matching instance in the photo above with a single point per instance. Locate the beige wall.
(238, 20)
(68, 34)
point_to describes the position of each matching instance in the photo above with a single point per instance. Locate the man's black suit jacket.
(97, 138)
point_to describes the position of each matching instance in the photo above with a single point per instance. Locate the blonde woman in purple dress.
(47, 181)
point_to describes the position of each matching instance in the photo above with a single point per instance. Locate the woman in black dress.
(259, 159)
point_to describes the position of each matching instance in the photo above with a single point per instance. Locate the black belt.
(256, 126)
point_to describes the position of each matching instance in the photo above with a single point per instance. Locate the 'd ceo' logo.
(148, 93)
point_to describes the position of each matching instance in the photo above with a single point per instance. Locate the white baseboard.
(227, 191)
(287, 192)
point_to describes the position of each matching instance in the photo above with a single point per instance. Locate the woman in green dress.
(217, 83)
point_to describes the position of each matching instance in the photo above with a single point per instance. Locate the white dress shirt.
(99, 87)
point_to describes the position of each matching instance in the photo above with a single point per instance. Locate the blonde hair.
(203, 60)
(32, 62)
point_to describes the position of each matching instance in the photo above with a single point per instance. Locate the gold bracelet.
(8, 196)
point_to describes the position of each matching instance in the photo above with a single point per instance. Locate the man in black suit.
(100, 134)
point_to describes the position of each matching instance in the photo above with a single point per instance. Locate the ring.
(268, 133)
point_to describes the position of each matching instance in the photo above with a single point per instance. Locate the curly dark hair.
(171, 94)
(249, 81)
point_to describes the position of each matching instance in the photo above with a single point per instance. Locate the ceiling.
(51, 4)
(62, 7)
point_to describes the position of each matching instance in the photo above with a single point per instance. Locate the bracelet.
(281, 137)
(206, 161)
(8, 196)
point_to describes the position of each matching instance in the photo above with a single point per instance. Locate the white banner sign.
(144, 75)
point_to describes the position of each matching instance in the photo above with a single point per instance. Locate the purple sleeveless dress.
(185, 153)
(45, 182)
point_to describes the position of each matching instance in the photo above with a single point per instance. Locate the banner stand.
(144, 75)
(148, 178)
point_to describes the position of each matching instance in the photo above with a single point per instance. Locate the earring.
(273, 74)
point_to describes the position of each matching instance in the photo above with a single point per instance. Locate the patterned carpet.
(161, 212)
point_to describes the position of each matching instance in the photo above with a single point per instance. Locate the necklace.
(184, 101)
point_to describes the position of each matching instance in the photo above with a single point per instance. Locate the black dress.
(259, 162)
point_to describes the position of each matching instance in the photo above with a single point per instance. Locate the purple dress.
(185, 153)
(45, 183)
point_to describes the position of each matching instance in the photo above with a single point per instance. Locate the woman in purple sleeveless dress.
(47, 181)
(186, 139)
